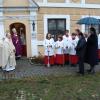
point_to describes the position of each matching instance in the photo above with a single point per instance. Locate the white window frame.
(66, 1)
(46, 17)
(82, 1)
(67, 4)
(83, 16)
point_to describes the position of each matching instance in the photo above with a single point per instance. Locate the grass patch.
(65, 87)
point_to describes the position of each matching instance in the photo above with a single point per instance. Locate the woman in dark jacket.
(92, 50)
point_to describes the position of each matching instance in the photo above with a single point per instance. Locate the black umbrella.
(89, 21)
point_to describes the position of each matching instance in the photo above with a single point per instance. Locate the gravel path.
(25, 69)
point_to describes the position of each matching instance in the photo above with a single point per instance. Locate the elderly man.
(1, 51)
(8, 55)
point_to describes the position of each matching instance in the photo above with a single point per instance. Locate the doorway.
(21, 30)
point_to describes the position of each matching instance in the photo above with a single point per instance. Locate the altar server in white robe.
(49, 50)
(73, 58)
(99, 46)
(59, 45)
(66, 38)
(8, 58)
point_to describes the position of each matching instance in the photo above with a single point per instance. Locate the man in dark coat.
(80, 50)
(92, 50)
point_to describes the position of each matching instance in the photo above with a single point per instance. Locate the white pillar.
(67, 1)
(34, 46)
(83, 1)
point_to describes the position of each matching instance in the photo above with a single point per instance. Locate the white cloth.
(1, 51)
(66, 41)
(86, 39)
(49, 47)
(99, 41)
(77, 38)
(73, 44)
(8, 56)
(59, 45)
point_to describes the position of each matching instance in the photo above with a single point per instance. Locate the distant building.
(35, 18)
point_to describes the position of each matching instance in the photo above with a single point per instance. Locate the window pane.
(51, 24)
(56, 26)
(61, 25)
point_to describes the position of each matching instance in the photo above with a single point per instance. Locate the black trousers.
(81, 65)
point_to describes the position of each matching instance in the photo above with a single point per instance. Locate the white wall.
(34, 47)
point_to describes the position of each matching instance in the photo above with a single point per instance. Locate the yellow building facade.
(38, 17)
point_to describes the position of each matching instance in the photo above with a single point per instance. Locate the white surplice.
(8, 56)
(49, 47)
(73, 44)
(59, 45)
(66, 41)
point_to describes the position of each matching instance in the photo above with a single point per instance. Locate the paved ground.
(25, 69)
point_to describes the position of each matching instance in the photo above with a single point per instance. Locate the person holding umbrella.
(92, 50)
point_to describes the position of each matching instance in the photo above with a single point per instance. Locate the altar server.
(66, 38)
(59, 51)
(49, 51)
(73, 58)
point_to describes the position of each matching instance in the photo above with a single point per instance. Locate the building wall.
(75, 15)
(26, 22)
(71, 1)
(39, 0)
(75, 1)
(7, 23)
(16, 3)
(93, 1)
(56, 1)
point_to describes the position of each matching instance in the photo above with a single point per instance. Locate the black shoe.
(89, 70)
(52, 65)
(92, 72)
(80, 73)
(73, 65)
(66, 63)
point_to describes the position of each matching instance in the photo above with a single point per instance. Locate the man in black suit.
(80, 50)
(91, 56)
